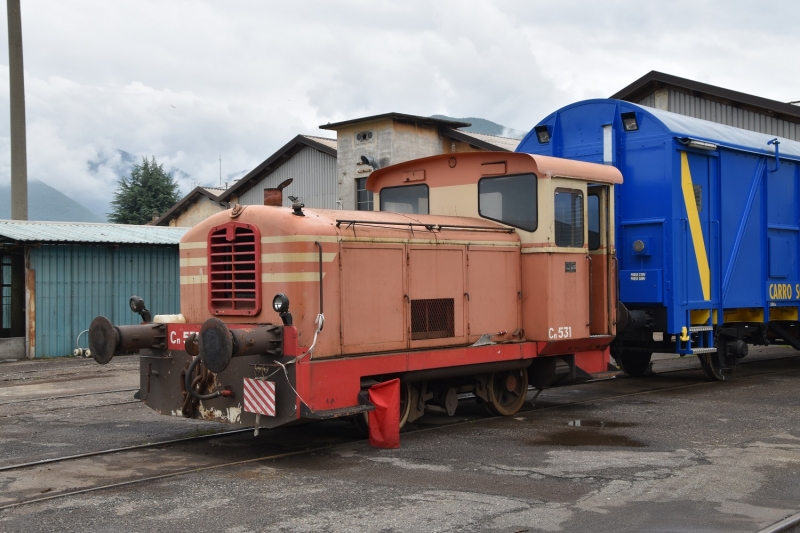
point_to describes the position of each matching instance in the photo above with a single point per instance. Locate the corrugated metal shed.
(314, 174)
(75, 283)
(77, 271)
(716, 104)
(33, 231)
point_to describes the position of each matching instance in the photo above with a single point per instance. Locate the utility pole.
(19, 161)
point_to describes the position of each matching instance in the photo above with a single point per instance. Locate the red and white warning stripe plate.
(259, 396)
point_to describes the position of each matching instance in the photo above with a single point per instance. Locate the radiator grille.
(234, 269)
(432, 319)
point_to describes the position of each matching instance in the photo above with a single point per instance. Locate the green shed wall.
(75, 283)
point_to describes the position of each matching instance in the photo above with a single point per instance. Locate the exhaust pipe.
(274, 196)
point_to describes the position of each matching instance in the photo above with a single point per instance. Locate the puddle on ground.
(585, 437)
(589, 433)
(600, 424)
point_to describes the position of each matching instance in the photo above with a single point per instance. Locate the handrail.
(429, 227)
(320, 281)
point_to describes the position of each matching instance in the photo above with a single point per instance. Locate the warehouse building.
(57, 276)
(715, 104)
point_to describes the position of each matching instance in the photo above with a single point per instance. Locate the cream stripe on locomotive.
(298, 238)
(267, 277)
(193, 261)
(312, 257)
(279, 277)
(192, 245)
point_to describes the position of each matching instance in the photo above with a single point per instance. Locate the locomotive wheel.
(714, 367)
(507, 392)
(635, 364)
(362, 420)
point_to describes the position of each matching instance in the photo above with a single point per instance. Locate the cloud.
(188, 81)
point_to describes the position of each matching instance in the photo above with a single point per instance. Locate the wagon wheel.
(362, 420)
(715, 364)
(635, 364)
(507, 391)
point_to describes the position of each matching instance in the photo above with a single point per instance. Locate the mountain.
(486, 127)
(47, 203)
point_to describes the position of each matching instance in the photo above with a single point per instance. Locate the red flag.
(384, 421)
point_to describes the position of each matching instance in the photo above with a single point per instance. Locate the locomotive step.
(696, 351)
(327, 414)
(695, 329)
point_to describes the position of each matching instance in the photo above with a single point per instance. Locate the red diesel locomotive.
(480, 272)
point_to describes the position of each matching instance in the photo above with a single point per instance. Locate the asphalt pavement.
(666, 452)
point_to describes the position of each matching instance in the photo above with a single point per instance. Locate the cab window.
(410, 199)
(569, 218)
(593, 208)
(510, 200)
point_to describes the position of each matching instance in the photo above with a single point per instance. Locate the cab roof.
(469, 167)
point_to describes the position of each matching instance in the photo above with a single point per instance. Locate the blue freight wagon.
(706, 227)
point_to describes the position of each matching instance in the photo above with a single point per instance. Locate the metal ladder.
(705, 338)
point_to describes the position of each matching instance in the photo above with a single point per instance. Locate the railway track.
(65, 396)
(126, 456)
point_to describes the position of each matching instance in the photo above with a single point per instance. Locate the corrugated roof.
(503, 142)
(324, 140)
(34, 231)
(654, 80)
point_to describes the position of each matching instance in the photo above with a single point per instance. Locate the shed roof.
(184, 203)
(655, 80)
(283, 154)
(400, 117)
(487, 142)
(84, 232)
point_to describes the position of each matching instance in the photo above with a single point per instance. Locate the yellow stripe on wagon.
(695, 227)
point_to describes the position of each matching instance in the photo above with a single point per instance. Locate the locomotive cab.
(560, 211)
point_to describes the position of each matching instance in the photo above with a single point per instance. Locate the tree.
(146, 191)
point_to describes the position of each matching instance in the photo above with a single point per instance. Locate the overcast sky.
(188, 81)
